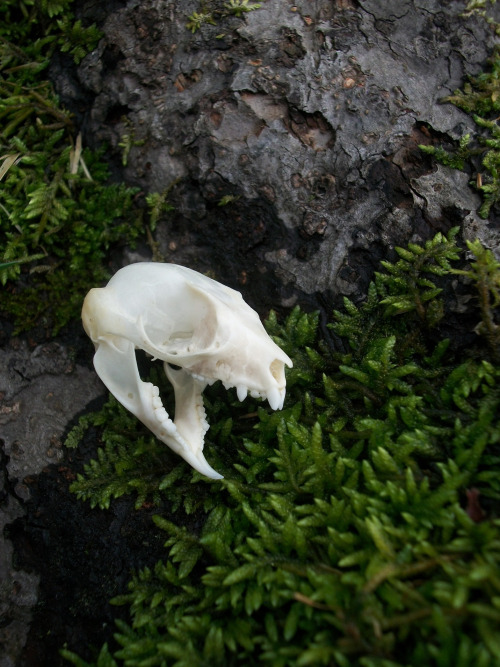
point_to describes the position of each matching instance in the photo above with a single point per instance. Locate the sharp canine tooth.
(241, 390)
(274, 398)
(282, 394)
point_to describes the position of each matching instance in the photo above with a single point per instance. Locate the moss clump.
(212, 11)
(59, 215)
(480, 98)
(357, 526)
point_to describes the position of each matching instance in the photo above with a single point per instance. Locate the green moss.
(59, 215)
(355, 527)
(212, 11)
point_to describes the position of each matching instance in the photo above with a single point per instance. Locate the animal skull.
(201, 327)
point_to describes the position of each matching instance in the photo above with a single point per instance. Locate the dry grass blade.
(8, 162)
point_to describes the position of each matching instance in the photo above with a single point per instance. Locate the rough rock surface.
(41, 390)
(305, 118)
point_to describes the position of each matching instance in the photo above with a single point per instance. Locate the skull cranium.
(191, 322)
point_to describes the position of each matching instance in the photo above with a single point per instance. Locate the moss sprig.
(480, 98)
(212, 11)
(484, 272)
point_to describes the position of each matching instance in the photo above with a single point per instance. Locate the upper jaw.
(274, 394)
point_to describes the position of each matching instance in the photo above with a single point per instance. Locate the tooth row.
(160, 413)
(165, 421)
(202, 417)
(275, 396)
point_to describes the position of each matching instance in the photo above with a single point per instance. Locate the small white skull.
(190, 321)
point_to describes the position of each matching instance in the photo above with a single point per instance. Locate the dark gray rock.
(305, 118)
(41, 391)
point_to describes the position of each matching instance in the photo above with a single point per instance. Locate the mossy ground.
(359, 526)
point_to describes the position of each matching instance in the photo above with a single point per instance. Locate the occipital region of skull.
(203, 328)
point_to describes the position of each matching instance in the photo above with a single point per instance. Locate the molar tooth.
(169, 426)
(161, 414)
(241, 390)
(202, 418)
(157, 402)
(155, 391)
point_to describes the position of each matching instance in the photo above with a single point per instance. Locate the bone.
(274, 398)
(189, 321)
